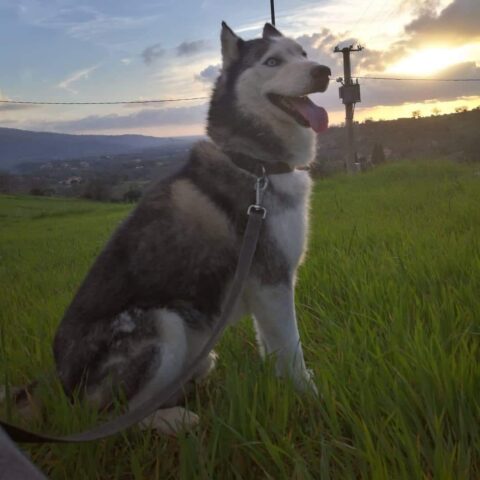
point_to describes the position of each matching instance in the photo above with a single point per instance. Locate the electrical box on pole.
(350, 94)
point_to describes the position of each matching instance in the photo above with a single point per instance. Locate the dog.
(147, 306)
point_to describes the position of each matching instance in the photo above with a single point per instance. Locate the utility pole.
(350, 95)
(272, 11)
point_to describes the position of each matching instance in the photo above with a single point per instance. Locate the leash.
(256, 214)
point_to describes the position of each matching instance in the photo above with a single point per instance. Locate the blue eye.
(272, 62)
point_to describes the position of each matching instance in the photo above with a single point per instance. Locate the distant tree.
(322, 167)
(133, 195)
(378, 155)
(364, 163)
(42, 191)
(6, 182)
(472, 150)
(461, 109)
(436, 111)
(38, 186)
(416, 114)
(97, 189)
(37, 191)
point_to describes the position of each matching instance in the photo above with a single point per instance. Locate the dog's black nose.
(321, 71)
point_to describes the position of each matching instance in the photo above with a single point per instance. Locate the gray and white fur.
(150, 299)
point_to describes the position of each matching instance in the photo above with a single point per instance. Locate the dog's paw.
(170, 421)
(305, 382)
(26, 405)
(206, 367)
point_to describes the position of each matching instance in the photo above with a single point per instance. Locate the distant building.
(72, 181)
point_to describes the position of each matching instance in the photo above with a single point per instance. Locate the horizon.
(200, 135)
(104, 51)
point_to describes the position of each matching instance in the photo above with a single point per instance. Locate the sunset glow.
(429, 61)
(426, 109)
(405, 110)
(116, 51)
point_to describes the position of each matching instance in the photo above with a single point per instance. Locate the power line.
(363, 14)
(188, 99)
(386, 12)
(120, 102)
(401, 79)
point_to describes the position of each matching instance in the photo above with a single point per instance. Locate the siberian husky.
(148, 303)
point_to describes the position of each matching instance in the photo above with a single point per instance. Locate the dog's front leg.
(273, 309)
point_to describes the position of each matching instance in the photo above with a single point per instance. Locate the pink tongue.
(316, 116)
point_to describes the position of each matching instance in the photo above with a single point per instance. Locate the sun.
(429, 61)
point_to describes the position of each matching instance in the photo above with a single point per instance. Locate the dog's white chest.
(287, 220)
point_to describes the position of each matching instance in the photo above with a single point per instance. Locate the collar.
(253, 165)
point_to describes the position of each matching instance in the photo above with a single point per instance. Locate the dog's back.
(163, 272)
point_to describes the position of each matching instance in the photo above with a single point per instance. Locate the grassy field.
(389, 308)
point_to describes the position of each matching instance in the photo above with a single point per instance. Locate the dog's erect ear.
(270, 31)
(231, 44)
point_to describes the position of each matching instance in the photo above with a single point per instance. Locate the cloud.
(419, 7)
(369, 60)
(141, 119)
(456, 24)
(152, 53)
(87, 23)
(191, 48)
(398, 92)
(76, 77)
(319, 47)
(208, 74)
(373, 93)
(71, 16)
(452, 26)
(9, 107)
(461, 70)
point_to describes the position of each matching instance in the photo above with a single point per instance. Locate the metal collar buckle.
(261, 184)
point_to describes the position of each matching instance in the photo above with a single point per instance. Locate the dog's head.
(267, 80)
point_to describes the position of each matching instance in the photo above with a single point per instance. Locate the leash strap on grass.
(256, 214)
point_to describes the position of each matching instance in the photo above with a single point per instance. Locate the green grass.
(389, 307)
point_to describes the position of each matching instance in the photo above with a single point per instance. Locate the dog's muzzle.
(301, 108)
(321, 77)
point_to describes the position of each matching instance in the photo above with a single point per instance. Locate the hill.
(453, 135)
(133, 161)
(22, 146)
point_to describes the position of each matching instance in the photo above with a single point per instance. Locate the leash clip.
(261, 184)
(257, 209)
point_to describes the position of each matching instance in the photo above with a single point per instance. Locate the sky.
(115, 50)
